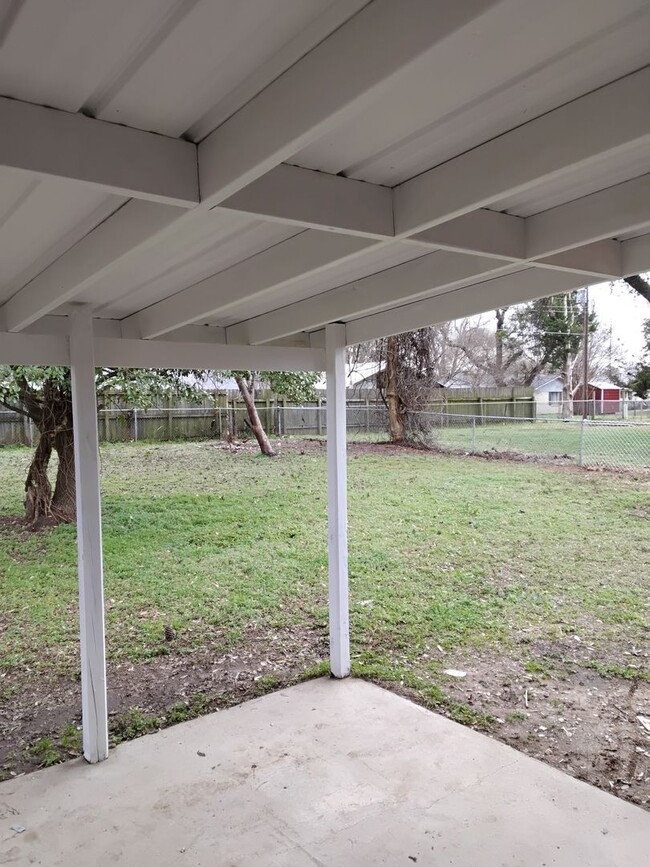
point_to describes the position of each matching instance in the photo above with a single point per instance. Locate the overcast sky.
(624, 311)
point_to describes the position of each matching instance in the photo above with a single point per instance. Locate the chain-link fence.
(622, 407)
(585, 442)
(609, 443)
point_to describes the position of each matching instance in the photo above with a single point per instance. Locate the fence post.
(581, 458)
(28, 430)
(367, 415)
(319, 424)
(473, 433)
(135, 425)
(170, 417)
(222, 400)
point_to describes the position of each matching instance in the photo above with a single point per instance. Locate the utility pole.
(585, 354)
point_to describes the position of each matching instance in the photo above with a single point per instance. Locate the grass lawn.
(603, 444)
(453, 562)
(606, 444)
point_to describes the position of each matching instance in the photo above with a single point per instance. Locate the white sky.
(618, 307)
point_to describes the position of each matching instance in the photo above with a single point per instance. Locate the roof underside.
(266, 167)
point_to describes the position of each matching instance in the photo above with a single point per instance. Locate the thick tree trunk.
(38, 491)
(253, 418)
(396, 427)
(54, 423)
(64, 501)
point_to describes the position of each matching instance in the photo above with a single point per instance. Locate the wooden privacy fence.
(221, 414)
(499, 402)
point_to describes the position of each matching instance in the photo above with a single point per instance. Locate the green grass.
(603, 444)
(614, 669)
(445, 551)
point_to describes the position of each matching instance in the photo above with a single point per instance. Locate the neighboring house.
(548, 392)
(605, 398)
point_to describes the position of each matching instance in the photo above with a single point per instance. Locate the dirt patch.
(34, 707)
(567, 713)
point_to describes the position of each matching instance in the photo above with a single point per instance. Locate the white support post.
(337, 506)
(89, 539)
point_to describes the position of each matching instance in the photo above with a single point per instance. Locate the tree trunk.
(253, 417)
(395, 409)
(38, 491)
(567, 388)
(64, 501)
(54, 422)
(499, 376)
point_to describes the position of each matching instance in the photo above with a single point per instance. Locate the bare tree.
(247, 382)
(500, 356)
(296, 386)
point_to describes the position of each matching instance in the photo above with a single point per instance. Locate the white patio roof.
(218, 180)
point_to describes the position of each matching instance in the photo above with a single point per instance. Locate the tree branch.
(14, 408)
(640, 285)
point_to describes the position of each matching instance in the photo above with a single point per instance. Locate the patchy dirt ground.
(568, 715)
(36, 709)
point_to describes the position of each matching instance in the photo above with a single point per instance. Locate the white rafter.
(636, 255)
(327, 86)
(115, 158)
(605, 214)
(135, 223)
(607, 120)
(394, 285)
(317, 200)
(240, 168)
(310, 251)
(478, 298)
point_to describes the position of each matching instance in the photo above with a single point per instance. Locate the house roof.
(216, 174)
(541, 382)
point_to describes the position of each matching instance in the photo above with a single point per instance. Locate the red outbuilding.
(605, 397)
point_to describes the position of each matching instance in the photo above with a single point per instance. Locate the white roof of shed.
(266, 167)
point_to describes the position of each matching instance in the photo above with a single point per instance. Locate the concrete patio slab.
(327, 773)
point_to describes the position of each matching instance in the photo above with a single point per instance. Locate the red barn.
(605, 398)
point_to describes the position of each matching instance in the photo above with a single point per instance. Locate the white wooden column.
(337, 505)
(89, 538)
